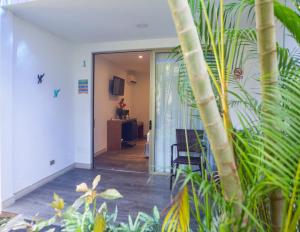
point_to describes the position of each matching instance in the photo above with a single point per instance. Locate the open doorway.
(121, 111)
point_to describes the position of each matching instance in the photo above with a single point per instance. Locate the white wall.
(43, 125)
(35, 127)
(105, 103)
(6, 80)
(83, 106)
(141, 99)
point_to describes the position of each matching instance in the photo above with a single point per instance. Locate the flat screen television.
(118, 86)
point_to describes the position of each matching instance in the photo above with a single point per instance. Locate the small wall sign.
(83, 86)
(238, 74)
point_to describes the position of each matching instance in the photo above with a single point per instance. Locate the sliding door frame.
(151, 102)
(152, 113)
(152, 169)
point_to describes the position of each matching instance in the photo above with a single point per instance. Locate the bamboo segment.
(266, 34)
(205, 99)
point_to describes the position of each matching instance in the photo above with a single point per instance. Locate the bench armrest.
(172, 150)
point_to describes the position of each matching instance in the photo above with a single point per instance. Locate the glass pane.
(171, 113)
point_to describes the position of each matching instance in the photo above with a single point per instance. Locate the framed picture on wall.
(83, 86)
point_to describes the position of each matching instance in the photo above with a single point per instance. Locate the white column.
(6, 100)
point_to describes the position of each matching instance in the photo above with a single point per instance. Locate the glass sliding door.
(170, 112)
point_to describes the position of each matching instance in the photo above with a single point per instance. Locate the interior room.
(121, 111)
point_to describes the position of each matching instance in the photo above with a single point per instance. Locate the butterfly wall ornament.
(56, 92)
(40, 78)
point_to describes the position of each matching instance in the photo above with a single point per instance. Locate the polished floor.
(141, 192)
(127, 159)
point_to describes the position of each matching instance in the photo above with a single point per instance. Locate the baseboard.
(42, 182)
(8, 202)
(83, 165)
(34, 186)
(160, 173)
(100, 152)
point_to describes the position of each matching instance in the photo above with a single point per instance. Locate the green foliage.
(236, 43)
(289, 18)
(288, 64)
(142, 223)
(100, 224)
(266, 159)
(260, 172)
(84, 215)
(3, 221)
(178, 217)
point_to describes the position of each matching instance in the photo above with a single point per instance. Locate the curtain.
(171, 113)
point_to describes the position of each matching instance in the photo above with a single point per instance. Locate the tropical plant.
(267, 153)
(288, 17)
(3, 221)
(200, 82)
(142, 223)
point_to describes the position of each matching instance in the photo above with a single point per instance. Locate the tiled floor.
(141, 192)
(128, 159)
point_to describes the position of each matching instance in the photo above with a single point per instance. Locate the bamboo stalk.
(224, 81)
(266, 34)
(204, 96)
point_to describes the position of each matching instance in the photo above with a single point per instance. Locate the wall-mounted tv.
(118, 85)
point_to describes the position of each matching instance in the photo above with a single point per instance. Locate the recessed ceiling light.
(142, 25)
(140, 57)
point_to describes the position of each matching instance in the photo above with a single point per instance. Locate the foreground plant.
(205, 100)
(85, 216)
(267, 149)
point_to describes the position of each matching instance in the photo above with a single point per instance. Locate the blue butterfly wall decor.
(56, 92)
(40, 78)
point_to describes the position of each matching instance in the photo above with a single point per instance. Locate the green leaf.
(110, 194)
(178, 217)
(100, 223)
(289, 18)
(156, 213)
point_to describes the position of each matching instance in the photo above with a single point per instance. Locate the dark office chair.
(192, 137)
(130, 132)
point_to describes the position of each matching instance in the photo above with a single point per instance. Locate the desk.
(114, 133)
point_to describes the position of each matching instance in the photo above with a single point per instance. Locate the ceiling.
(129, 61)
(86, 21)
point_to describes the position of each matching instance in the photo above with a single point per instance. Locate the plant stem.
(266, 34)
(224, 84)
(292, 203)
(204, 96)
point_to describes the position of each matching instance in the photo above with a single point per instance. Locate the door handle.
(150, 125)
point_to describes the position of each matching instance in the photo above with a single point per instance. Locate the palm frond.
(178, 217)
(244, 39)
(267, 158)
(289, 18)
(232, 9)
(263, 170)
(288, 63)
